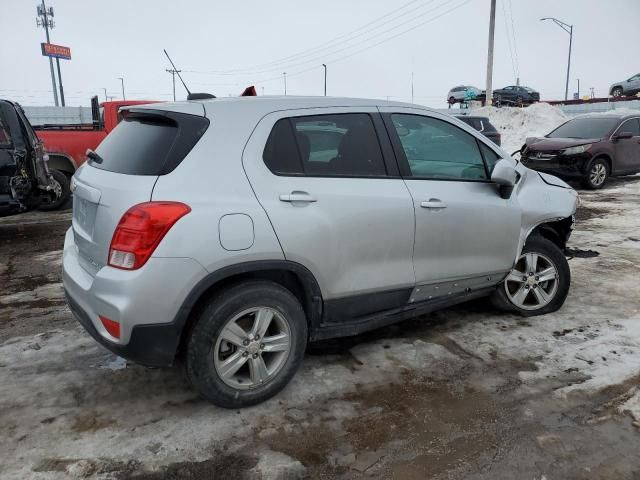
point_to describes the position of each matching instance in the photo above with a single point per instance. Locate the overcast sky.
(223, 46)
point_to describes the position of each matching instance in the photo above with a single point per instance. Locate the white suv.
(232, 232)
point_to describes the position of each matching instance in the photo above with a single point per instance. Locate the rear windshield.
(150, 143)
(584, 128)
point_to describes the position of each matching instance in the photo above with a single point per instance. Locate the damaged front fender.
(548, 207)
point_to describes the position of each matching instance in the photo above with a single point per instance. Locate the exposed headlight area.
(576, 150)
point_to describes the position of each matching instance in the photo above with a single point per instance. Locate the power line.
(513, 32)
(341, 38)
(506, 26)
(321, 57)
(375, 44)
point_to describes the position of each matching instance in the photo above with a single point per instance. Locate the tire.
(597, 174)
(452, 100)
(240, 307)
(617, 92)
(554, 291)
(63, 182)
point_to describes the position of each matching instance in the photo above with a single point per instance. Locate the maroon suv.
(589, 148)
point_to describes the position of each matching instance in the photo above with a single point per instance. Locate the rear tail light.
(140, 231)
(111, 326)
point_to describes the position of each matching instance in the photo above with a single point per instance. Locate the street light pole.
(325, 79)
(105, 94)
(569, 29)
(122, 82)
(284, 75)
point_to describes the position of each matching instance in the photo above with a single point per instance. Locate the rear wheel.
(617, 92)
(247, 344)
(57, 197)
(597, 174)
(538, 283)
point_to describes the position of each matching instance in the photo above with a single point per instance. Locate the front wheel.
(539, 281)
(247, 344)
(597, 174)
(617, 92)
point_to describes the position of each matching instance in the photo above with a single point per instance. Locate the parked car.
(589, 148)
(462, 93)
(515, 95)
(483, 125)
(25, 180)
(304, 219)
(628, 87)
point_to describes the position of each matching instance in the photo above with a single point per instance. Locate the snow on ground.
(516, 124)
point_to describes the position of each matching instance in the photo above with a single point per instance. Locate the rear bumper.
(150, 345)
(145, 302)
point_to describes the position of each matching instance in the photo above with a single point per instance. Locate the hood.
(551, 180)
(543, 144)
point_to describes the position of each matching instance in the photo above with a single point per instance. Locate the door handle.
(298, 197)
(433, 203)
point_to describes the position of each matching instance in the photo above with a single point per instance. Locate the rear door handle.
(298, 197)
(434, 203)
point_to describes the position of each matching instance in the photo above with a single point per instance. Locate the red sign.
(58, 51)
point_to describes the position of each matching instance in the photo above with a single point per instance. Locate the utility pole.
(325, 79)
(105, 94)
(44, 21)
(173, 79)
(569, 29)
(578, 88)
(284, 75)
(492, 28)
(122, 82)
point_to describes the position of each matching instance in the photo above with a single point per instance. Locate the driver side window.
(438, 150)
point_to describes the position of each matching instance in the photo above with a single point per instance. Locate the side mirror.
(504, 174)
(622, 135)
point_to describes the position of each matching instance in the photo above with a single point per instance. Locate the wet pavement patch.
(222, 467)
(580, 253)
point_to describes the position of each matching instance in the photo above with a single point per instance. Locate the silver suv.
(233, 232)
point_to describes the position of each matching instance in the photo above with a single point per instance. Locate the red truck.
(67, 144)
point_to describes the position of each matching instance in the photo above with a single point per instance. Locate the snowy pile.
(516, 124)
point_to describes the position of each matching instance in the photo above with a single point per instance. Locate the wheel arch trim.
(312, 294)
(64, 157)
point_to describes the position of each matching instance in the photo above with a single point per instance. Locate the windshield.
(585, 128)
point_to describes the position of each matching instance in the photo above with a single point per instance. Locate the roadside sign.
(57, 51)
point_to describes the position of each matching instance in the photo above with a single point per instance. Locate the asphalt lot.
(463, 393)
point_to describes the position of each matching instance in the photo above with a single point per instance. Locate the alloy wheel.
(598, 174)
(533, 282)
(252, 348)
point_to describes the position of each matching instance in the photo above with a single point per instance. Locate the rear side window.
(325, 145)
(150, 143)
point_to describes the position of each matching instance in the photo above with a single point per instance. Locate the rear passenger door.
(333, 194)
(464, 229)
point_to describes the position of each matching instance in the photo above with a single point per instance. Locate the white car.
(462, 93)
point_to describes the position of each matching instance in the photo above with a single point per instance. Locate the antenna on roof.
(177, 71)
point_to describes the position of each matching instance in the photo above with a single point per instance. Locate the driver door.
(464, 229)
